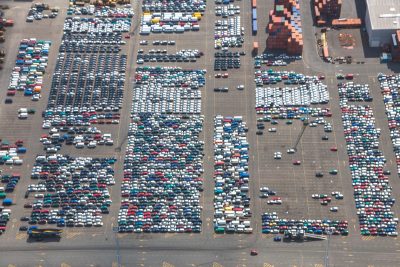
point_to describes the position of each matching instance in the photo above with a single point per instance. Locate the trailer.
(37, 233)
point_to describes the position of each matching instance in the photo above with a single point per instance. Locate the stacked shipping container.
(396, 46)
(284, 27)
(326, 10)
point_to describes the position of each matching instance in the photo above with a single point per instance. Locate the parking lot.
(293, 177)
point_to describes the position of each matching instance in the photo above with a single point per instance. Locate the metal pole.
(117, 249)
(326, 260)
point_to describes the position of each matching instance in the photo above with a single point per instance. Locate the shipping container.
(347, 23)
(255, 49)
(254, 14)
(254, 26)
(325, 52)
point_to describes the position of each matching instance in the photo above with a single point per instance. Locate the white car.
(36, 97)
(334, 209)
(92, 144)
(272, 130)
(290, 151)
(240, 87)
(277, 155)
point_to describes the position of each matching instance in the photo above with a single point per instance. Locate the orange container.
(254, 3)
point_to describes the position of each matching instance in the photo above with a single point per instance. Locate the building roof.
(384, 15)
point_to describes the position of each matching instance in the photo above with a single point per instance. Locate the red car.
(11, 92)
(253, 252)
(296, 162)
(333, 148)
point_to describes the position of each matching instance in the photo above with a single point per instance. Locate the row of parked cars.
(8, 184)
(274, 60)
(389, 88)
(163, 170)
(270, 76)
(31, 63)
(174, 6)
(10, 154)
(372, 191)
(231, 176)
(4, 218)
(70, 191)
(87, 85)
(227, 10)
(167, 22)
(100, 26)
(90, 137)
(305, 95)
(88, 80)
(184, 55)
(228, 33)
(37, 13)
(124, 11)
(272, 224)
(167, 90)
(354, 92)
(274, 113)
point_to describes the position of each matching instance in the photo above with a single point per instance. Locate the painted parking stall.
(372, 191)
(88, 84)
(389, 85)
(232, 212)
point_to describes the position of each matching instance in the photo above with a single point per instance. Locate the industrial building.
(382, 19)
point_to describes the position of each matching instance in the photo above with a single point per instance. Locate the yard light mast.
(326, 258)
(303, 128)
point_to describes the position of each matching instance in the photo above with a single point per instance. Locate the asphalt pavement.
(102, 247)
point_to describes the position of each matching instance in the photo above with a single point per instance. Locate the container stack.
(326, 10)
(396, 46)
(284, 27)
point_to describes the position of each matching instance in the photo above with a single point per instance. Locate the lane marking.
(368, 238)
(20, 236)
(166, 264)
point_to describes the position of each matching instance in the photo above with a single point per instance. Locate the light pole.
(326, 259)
(115, 230)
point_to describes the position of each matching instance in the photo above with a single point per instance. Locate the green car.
(333, 171)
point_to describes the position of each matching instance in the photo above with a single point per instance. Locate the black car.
(23, 228)
(8, 101)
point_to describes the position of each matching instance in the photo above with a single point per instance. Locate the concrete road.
(98, 247)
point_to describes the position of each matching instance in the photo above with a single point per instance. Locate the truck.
(40, 234)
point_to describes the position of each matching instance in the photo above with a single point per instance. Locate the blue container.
(254, 26)
(254, 14)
